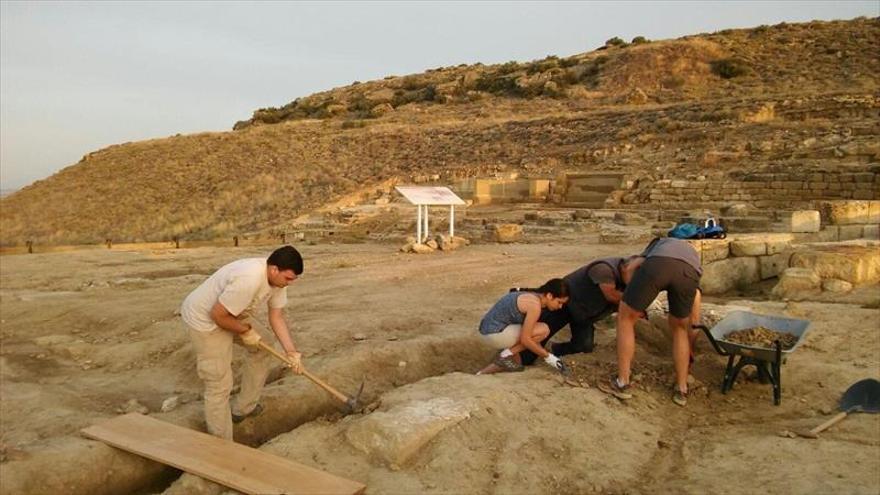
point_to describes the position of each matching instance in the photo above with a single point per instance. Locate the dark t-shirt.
(586, 302)
(601, 274)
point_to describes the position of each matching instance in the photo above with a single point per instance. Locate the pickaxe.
(351, 403)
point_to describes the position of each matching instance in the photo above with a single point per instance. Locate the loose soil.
(84, 332)
(761, 337)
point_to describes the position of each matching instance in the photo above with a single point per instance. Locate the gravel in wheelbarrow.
(745, 334)
(762, 337)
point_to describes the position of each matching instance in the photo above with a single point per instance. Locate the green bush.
(551, 62)
(503, 84)
(728, 68)
(412, 83)
(615, 41)
(401, 97)
(508, 67)
(638, 40)
(568, 62)
(360, 106)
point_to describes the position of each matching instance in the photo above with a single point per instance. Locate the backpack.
(684, 231)
(711, 230)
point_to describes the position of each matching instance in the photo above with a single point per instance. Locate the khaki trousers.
(214, 366)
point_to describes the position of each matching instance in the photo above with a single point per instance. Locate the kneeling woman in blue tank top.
(512, 326)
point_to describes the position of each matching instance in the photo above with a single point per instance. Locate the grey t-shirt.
(674, 248)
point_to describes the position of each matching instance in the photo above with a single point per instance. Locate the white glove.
(294, 361)
(250, 338)
(556, 363)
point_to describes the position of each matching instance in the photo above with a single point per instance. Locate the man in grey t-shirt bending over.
(667, 264)
(220, 312)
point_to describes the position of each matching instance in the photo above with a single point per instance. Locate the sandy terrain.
(85, 332)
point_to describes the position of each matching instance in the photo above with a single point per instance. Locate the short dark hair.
(287, 258)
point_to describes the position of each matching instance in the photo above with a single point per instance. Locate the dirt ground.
(85, 332)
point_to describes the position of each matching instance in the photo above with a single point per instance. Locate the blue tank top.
(503, 313)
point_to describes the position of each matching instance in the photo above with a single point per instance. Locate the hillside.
(791, 96)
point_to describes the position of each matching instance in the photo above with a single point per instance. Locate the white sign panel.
(419, 195)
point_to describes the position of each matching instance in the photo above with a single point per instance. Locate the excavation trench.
(75, 465)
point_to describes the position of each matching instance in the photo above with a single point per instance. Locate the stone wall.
(738, 262)
(503, 190)
(787, 189)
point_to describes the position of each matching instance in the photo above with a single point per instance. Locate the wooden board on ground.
(231, 464)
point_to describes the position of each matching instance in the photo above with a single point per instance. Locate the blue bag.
(711, 230)
(684, 231)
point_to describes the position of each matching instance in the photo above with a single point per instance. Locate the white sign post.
(426, 196)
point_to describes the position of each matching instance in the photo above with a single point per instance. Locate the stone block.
(748, 247)
(627, 218)
(778, 246)
(448, 243)
(421, 249)
(871, 231)
(612, 234)
(394, 436)
(850, 232)
(835, 285)
(805, 221)
(795, 283)
(736, 210)
(829, 233)
(507, 232)
(844, 212)
(712, 250)
(772, 265)
(873, 211)
(582, 214)
(855, 264)
(722, 276)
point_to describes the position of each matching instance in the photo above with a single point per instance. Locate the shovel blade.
(862, 396)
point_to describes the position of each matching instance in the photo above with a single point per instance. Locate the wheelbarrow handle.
(712, 340)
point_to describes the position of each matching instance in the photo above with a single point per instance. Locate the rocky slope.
(790, 96)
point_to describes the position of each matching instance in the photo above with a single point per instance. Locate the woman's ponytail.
(556, 287)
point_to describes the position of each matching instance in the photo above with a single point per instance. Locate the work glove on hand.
(250, 338)
(294, 362)
(557, 364)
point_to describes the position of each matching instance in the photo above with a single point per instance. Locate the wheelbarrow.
(768, 361)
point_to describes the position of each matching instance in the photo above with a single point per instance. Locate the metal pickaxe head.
(352, 404)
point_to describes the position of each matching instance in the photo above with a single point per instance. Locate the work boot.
(507, 363)
(255, 412)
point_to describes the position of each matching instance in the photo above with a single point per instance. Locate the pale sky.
(79, 76)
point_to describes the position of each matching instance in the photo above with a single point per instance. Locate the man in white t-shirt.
(220, 312)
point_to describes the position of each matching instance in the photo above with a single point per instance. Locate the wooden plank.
(231, 464)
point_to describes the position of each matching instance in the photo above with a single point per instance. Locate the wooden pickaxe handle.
(332, 391)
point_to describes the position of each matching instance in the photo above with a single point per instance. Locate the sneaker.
(621, 391)
(507, 363)
(679, 397)
(256, 412)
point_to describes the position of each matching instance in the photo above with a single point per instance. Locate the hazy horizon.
(76, 77)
